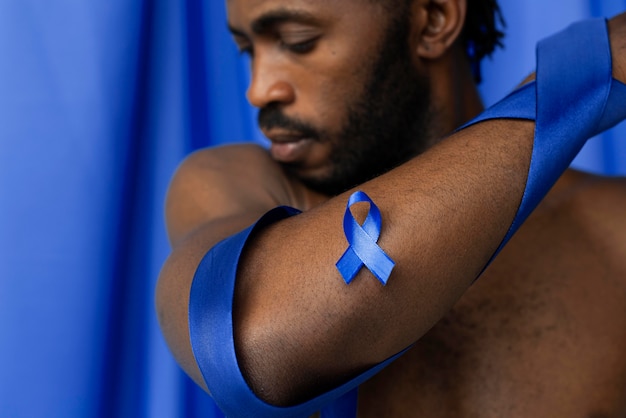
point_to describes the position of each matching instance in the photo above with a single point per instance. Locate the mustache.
(272, 117)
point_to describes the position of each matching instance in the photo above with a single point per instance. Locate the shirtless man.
(542, 333)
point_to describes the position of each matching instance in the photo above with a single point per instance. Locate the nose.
(269, 84)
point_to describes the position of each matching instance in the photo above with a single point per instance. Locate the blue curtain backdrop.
(99, 101)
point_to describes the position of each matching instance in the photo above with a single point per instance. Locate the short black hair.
(482, 32)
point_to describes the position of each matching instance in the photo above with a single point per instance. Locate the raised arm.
(299, 329)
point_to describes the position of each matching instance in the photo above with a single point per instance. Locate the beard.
(386, 126)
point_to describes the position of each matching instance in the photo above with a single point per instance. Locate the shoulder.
(223, 181)
(600, 199)
(243, 156)
(230, 164)
(595, 204)
(601, 205)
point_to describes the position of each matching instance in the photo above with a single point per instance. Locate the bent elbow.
(282, 367)
(266, 363)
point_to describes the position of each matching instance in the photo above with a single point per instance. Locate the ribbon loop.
(363, 249)
(573, 98)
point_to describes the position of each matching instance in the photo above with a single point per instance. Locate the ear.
(438, 25)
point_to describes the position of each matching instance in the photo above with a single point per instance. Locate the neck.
(455, 95)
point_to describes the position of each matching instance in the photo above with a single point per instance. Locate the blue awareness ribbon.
(363, 248)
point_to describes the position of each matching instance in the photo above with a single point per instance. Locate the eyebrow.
(267, 21)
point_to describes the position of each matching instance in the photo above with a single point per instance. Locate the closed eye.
(301, 47)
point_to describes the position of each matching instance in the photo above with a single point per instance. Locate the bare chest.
(541, 334)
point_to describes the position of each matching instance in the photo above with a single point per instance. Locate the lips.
(289, 148)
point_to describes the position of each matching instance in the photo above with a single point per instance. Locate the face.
(338, 94)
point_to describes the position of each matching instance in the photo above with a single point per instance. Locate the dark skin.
(533, 332)
(541, 334)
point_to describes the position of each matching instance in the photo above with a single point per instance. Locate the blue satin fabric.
(573, 98)
(362, 243)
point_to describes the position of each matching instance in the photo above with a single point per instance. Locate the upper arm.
(213, 194)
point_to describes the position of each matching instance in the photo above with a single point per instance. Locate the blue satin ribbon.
(344, 407)
(573, 98)
(363, 249)
(567, 114)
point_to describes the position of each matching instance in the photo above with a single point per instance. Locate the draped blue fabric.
(99, 101)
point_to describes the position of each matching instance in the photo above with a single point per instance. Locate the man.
(357, 93)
